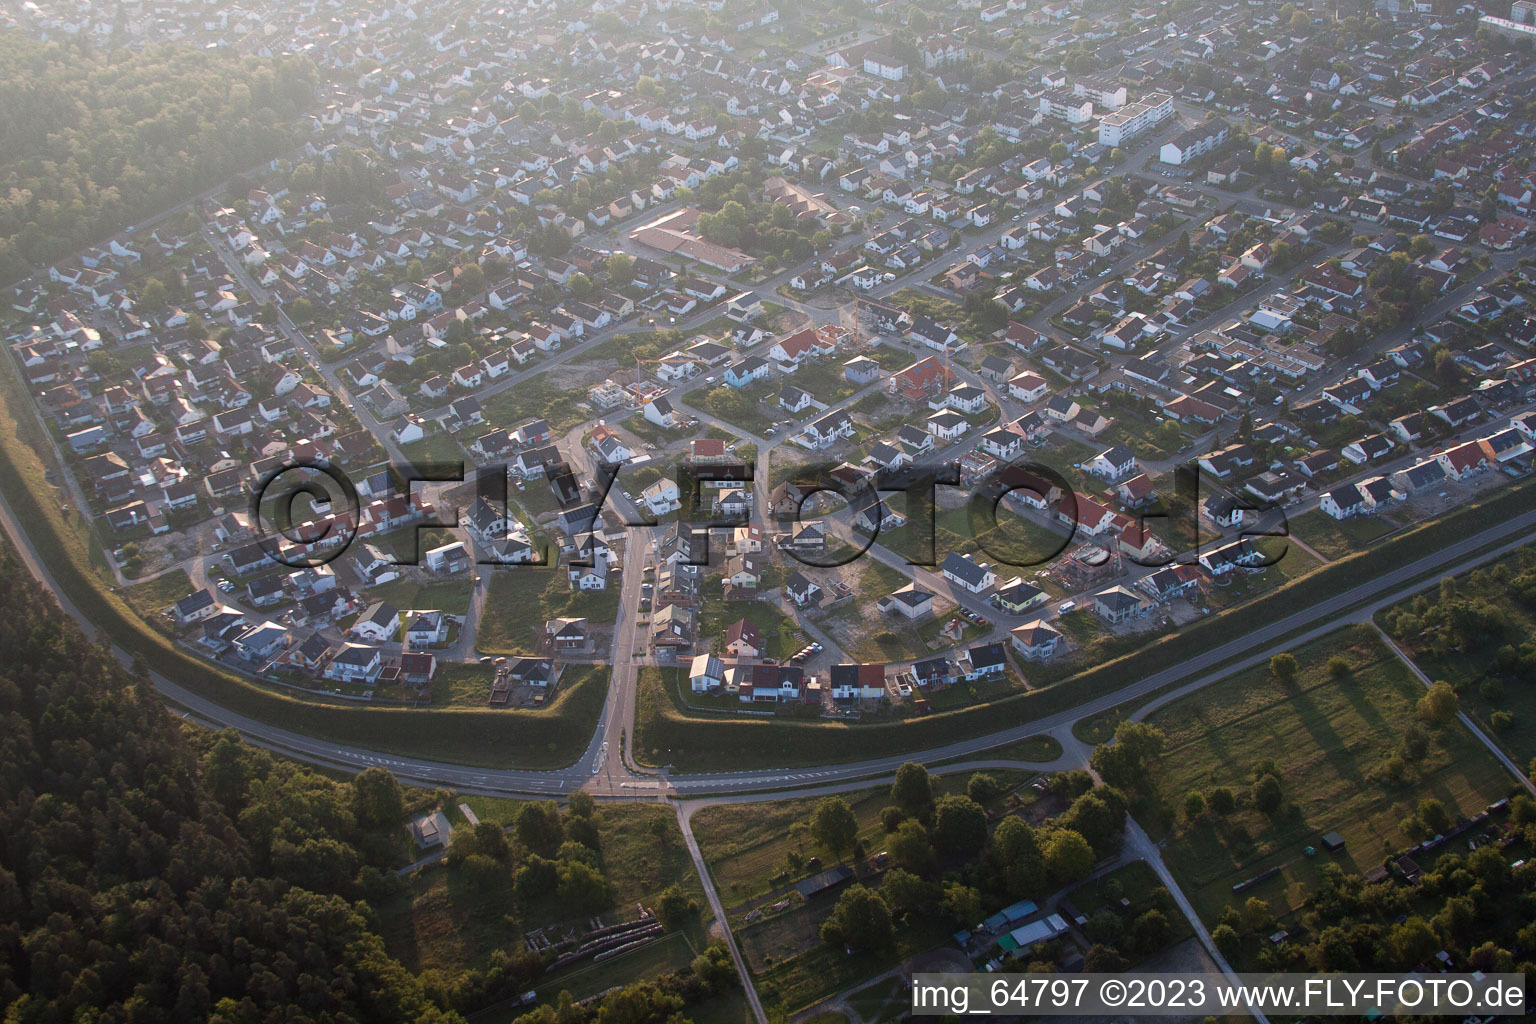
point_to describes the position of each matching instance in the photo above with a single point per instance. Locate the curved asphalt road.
(628, 783)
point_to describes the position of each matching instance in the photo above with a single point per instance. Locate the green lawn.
(437, 447)
(997, 534)
(879, 1000)
(1334, 538)
(1034, 748)
(522, 599)
(824, 381)
(448, 595)
(781, 636)
(536, 397)
(1329, 739)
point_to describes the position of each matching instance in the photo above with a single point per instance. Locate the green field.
(535, 398)
(1330, 739)
(153, 597)
(449, 595)
(780, 634)
(519, 601)
(1039, 749)
(1335, 538)
(1013, 544)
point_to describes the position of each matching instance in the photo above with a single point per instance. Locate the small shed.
(432, 830)
(1333, 842)
(825, 882)
(1009, 916)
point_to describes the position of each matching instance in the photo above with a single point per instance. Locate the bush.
(1338, 667)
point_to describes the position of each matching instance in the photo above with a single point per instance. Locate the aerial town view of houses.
(1112, 423)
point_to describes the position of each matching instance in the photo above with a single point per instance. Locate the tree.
(1434, 815)
(470, 278)
(1221, 801)
(1283, 667)
(377, 800)
(1338, 667)
(960, 826)
(621, 269)
(962, 903)
(675, 908)
(913, 790)
(1150, 932)
(861, 921)
(581, 804)
(1412, 941)
(909, 847)
(834, 825)
(538, 827)
(1068, 857)
(1439, 705)
(1267, 796)
(1257, 915)
(581, 285)
(582, 887)
(1099, 817)
(1016, 850)
(905, 892)
(983, 788)
(1227, 941)
(1194, 805)
(1102, 959)
(1126, 762)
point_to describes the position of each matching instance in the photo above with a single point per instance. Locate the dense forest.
(145, 877)
(94, 141)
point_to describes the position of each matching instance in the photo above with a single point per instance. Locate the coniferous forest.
(94, 141)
